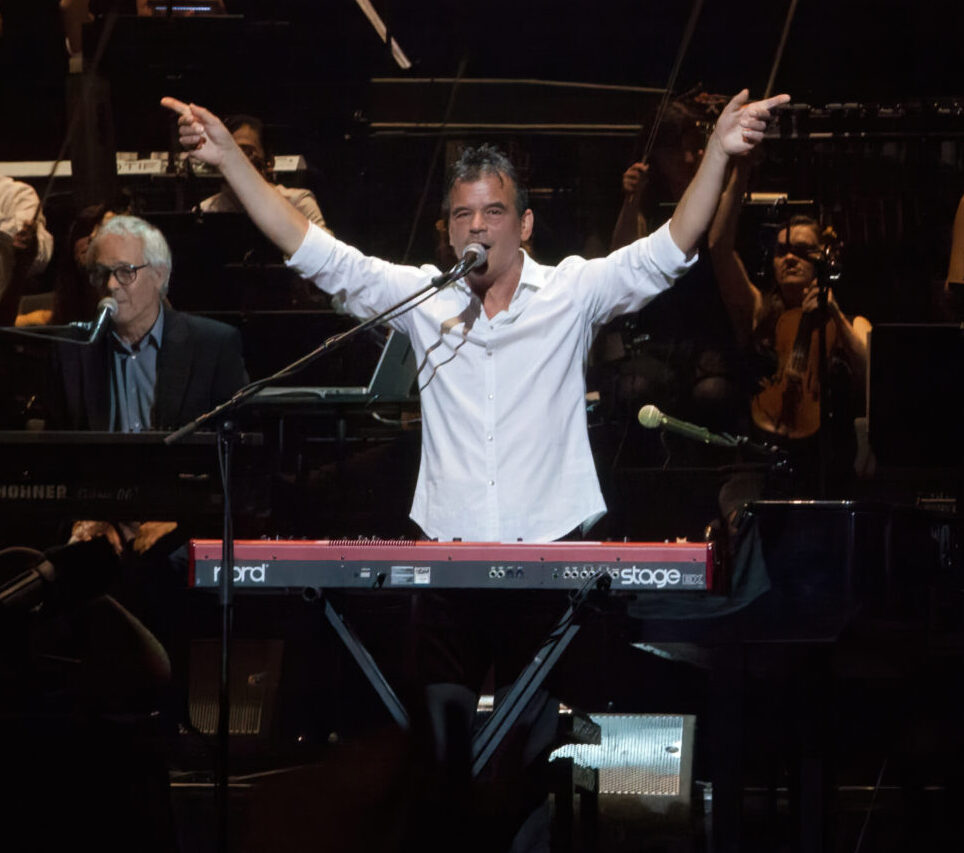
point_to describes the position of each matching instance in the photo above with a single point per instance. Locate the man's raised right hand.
(202, 133)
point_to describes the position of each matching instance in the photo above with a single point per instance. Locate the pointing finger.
(177, 106)
(775, 101)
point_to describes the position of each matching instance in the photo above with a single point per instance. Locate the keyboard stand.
(368, 666)
(506, 714)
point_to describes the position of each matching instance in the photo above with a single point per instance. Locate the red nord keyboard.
(346, 564)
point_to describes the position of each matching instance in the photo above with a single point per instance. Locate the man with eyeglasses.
(158, 368)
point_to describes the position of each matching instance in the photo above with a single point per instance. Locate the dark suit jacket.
(199, 365)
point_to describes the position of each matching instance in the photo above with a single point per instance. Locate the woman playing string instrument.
(786, 320)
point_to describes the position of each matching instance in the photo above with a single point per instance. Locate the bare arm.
(853, 335)
(955, 268)
(740, 296)
(208, 141)
(738, 131)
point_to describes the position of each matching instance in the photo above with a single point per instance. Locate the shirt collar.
(154, 336)
(533, 276)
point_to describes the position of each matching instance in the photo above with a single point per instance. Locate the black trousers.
(464, 643)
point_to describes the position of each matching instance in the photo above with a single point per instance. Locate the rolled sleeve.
(667, 255)
(364, 285)
(631, 276)
(314, 253)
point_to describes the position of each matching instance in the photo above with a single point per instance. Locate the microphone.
(106, 309)
(81, 332)
(652, 418)
(473, 255)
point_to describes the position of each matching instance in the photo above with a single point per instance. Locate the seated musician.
(249, 134)
(677, 151)
(505, 451)
(72, 298)
(157, 369)
(781, 323)
(26, 245)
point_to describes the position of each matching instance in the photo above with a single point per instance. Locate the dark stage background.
(316, 73)
(570, 90)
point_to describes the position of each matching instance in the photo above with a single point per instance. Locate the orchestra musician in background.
(72, 299)
(779, 327)
(249, 134)
(665, 173)
(26, 245)
(505, 450)
(678, 352)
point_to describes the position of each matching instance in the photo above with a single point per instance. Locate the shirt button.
(491, 482)
(489, 353)
(489, 437)
(491, 396)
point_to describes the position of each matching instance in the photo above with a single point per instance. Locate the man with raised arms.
(505, 451)
(505, 448)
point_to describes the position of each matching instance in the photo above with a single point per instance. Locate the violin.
(789, 402)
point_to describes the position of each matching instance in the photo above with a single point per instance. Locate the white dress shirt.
(505, 448)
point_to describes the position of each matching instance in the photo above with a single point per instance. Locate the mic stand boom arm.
(329, 345)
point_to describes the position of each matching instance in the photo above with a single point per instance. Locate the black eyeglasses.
(126, 274)
(804, 251)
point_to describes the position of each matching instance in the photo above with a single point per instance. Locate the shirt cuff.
(314, 252)
(668, 256)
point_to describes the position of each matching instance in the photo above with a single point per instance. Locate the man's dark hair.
(484, 159)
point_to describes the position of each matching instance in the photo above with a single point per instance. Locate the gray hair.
(156, 251)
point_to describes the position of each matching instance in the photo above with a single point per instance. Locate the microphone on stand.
(106, 308)
(473, 255)
(82, 332)
(652, 418)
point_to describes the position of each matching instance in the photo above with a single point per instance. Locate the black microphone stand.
(227, 440)
(826, 273)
